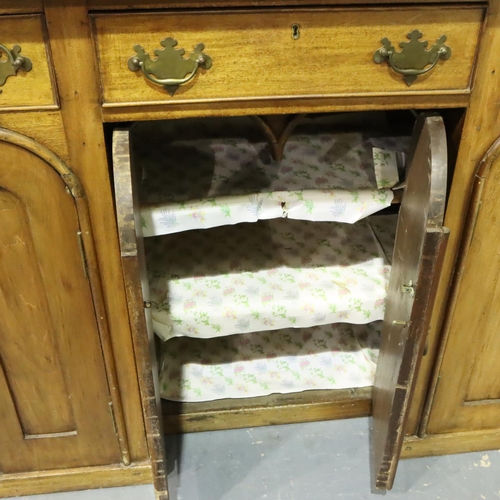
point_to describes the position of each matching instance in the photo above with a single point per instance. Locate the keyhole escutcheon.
(295, 31)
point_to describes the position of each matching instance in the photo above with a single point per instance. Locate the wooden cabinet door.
(418, 252)
(54, 399)
(467, 396)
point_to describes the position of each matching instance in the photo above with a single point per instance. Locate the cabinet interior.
(267, 296)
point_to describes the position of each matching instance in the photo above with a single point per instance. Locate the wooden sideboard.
(71, 379)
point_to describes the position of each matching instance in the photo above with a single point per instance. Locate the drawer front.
(33, 88)
(262, 55)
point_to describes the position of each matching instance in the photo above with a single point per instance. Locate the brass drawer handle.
(414, 59)
(169, 69)
(13, 64)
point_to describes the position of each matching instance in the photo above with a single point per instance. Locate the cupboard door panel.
(26, 312)
(418, 252)
(54, 399)
(468, 398)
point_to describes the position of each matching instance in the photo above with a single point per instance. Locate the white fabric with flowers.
(334, 356)
(268, 275)
(205, 183)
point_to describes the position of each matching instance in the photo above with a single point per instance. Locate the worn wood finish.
(342, 103)
(470, 399)
(252, 50)
(418, 252)
(276, 409)
(454, 442)
(33, 89)
(86, 243)
(481, 129)
(137, 289)
(105, 337)
(207, 4)
(21, 6)
(73, 54)
(80, 478)
(45, 127)
(51, 361)
(82, 120)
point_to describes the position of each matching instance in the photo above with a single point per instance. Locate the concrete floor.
(317, 461)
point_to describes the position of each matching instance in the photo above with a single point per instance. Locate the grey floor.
(317, 461)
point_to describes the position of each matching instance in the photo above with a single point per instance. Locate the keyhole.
(295, 31)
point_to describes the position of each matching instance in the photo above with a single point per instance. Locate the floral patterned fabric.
(265, 276)
(204, 183)
(334, 356)
(385, 164)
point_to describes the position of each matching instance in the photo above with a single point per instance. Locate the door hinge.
(82, 253)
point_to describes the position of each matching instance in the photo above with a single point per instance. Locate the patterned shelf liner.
(333, 356)
(336, 356)
(275, 307)
(268, 275)
(205, 183)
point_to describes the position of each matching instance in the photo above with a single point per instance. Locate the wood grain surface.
(254, 55)
(68, 23)
(417, 259)
(77, 79)
(450, 443)
(470, 398)
(309, 406)
(208, 4)
(481, 129)
(35, 88)
(137, 289)
(45, 127)
(340, 104)
(79, 478)
(21, 6)
(51, 361)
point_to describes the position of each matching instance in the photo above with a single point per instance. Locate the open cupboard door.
(418, 254)
(137, 290)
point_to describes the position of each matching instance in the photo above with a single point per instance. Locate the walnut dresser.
(79, 406)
